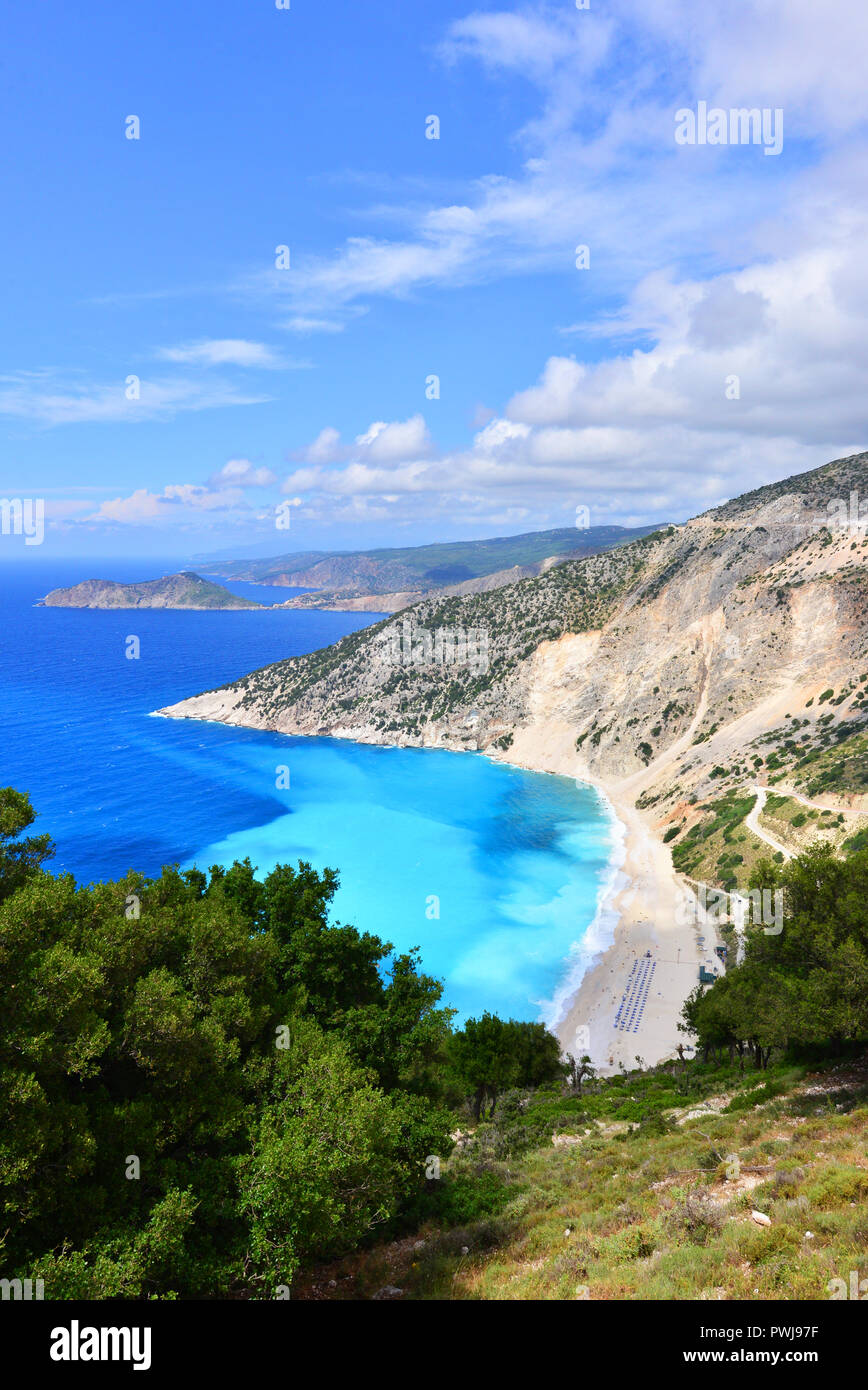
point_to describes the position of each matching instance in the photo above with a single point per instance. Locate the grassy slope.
(798, 825)
(642, 1207)
(715, 847)
(718, 848)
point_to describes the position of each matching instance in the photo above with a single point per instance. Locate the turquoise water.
(492, 871)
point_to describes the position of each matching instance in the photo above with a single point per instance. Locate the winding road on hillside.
(818, 805)
(752, 823)
(752, 820)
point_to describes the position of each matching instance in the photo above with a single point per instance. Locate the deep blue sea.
(513, 861)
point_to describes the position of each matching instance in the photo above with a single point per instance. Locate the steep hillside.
(679, 664)
(359, 689)
(688, 1182)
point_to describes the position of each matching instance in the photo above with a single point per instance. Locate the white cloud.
(393, 442)
(140, 506)
(600, 152)
(242, 473)
(44, 399)
(175, 504)
(326, 448)
(526, 43)
(371, 266)
(771, 49)
(652, 433)
(222, 352)
(383, 442)
(792, 331)
(300, 324)
(303, 478)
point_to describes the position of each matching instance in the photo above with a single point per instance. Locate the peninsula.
(184, 590)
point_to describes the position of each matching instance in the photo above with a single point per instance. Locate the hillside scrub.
(623, 1196)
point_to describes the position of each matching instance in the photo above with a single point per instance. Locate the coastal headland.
(675, 673)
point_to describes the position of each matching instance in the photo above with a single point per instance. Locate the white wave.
(600, 932)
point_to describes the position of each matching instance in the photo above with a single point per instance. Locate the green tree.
(324, 1167)
(805, 984)
(171, 1048)
(19, 858)
(489, 1056)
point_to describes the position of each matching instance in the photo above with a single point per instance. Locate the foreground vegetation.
(209, 1091)
(204, 1084)
(618, 1194)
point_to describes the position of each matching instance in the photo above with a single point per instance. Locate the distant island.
(184, 590)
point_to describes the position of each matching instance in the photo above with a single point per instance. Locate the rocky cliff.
(679, 664)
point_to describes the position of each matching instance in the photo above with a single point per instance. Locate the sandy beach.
(622, 1008)
(628, 1003)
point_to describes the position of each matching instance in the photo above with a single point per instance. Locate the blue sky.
(559, 387)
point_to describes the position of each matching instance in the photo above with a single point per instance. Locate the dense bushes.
(490, 1056)
(204, 1085)
(805, 985)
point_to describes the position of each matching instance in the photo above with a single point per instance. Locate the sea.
(497, 874)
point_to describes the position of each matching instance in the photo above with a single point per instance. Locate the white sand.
(641, 911)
